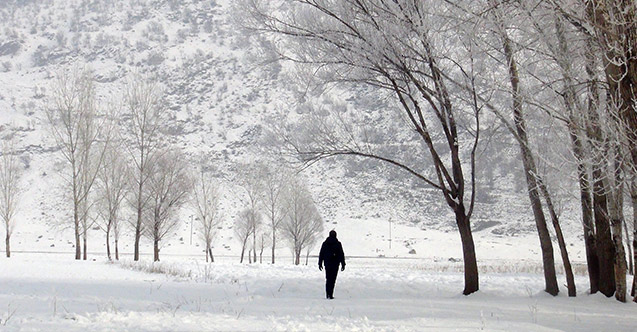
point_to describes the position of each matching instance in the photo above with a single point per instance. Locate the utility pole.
(389, 233)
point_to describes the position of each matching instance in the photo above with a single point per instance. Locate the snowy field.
(52, 292)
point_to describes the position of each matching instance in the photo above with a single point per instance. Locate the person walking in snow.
(332, 255)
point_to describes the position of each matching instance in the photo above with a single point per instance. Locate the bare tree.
(145, 115)
(167, 190)
(274, 187)
(303, 223)
(206, 204)
(251, 180)
(244, 226)
(264, 241)
(10, 189)
(610, 33)
(403, 48)
(613, 25)
(78, 129)
(113, 189)
(534, 183)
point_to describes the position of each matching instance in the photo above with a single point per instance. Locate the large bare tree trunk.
(212, 258)
(620, 255)
(614, 26)
(589, 150)
(471, 283)
(603, 240)
(615, 191)
(586, 203)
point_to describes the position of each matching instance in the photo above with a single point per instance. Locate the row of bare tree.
(284, 201)
(117, 163)
(116, 157)
(117, 160)
(453, 68)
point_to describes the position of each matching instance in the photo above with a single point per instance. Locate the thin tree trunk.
(116, 249)
(273, 243)
(207, 251)
(156, 250)
(568, 270)
(84, 238)
(550, 277)
(243, 250)
(108, 243)
(138, 235)
(78, 243)
(138, 224)
(76, 214)
(530, 170)
(307, 257)
(261, 255)
(570, 100)
(212, 258)
(254, 245)
(7, 243)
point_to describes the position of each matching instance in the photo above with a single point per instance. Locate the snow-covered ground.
(52, 292)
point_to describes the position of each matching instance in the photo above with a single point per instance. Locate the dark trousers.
(330, 279)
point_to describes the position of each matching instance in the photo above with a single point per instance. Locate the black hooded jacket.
(331, 253)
